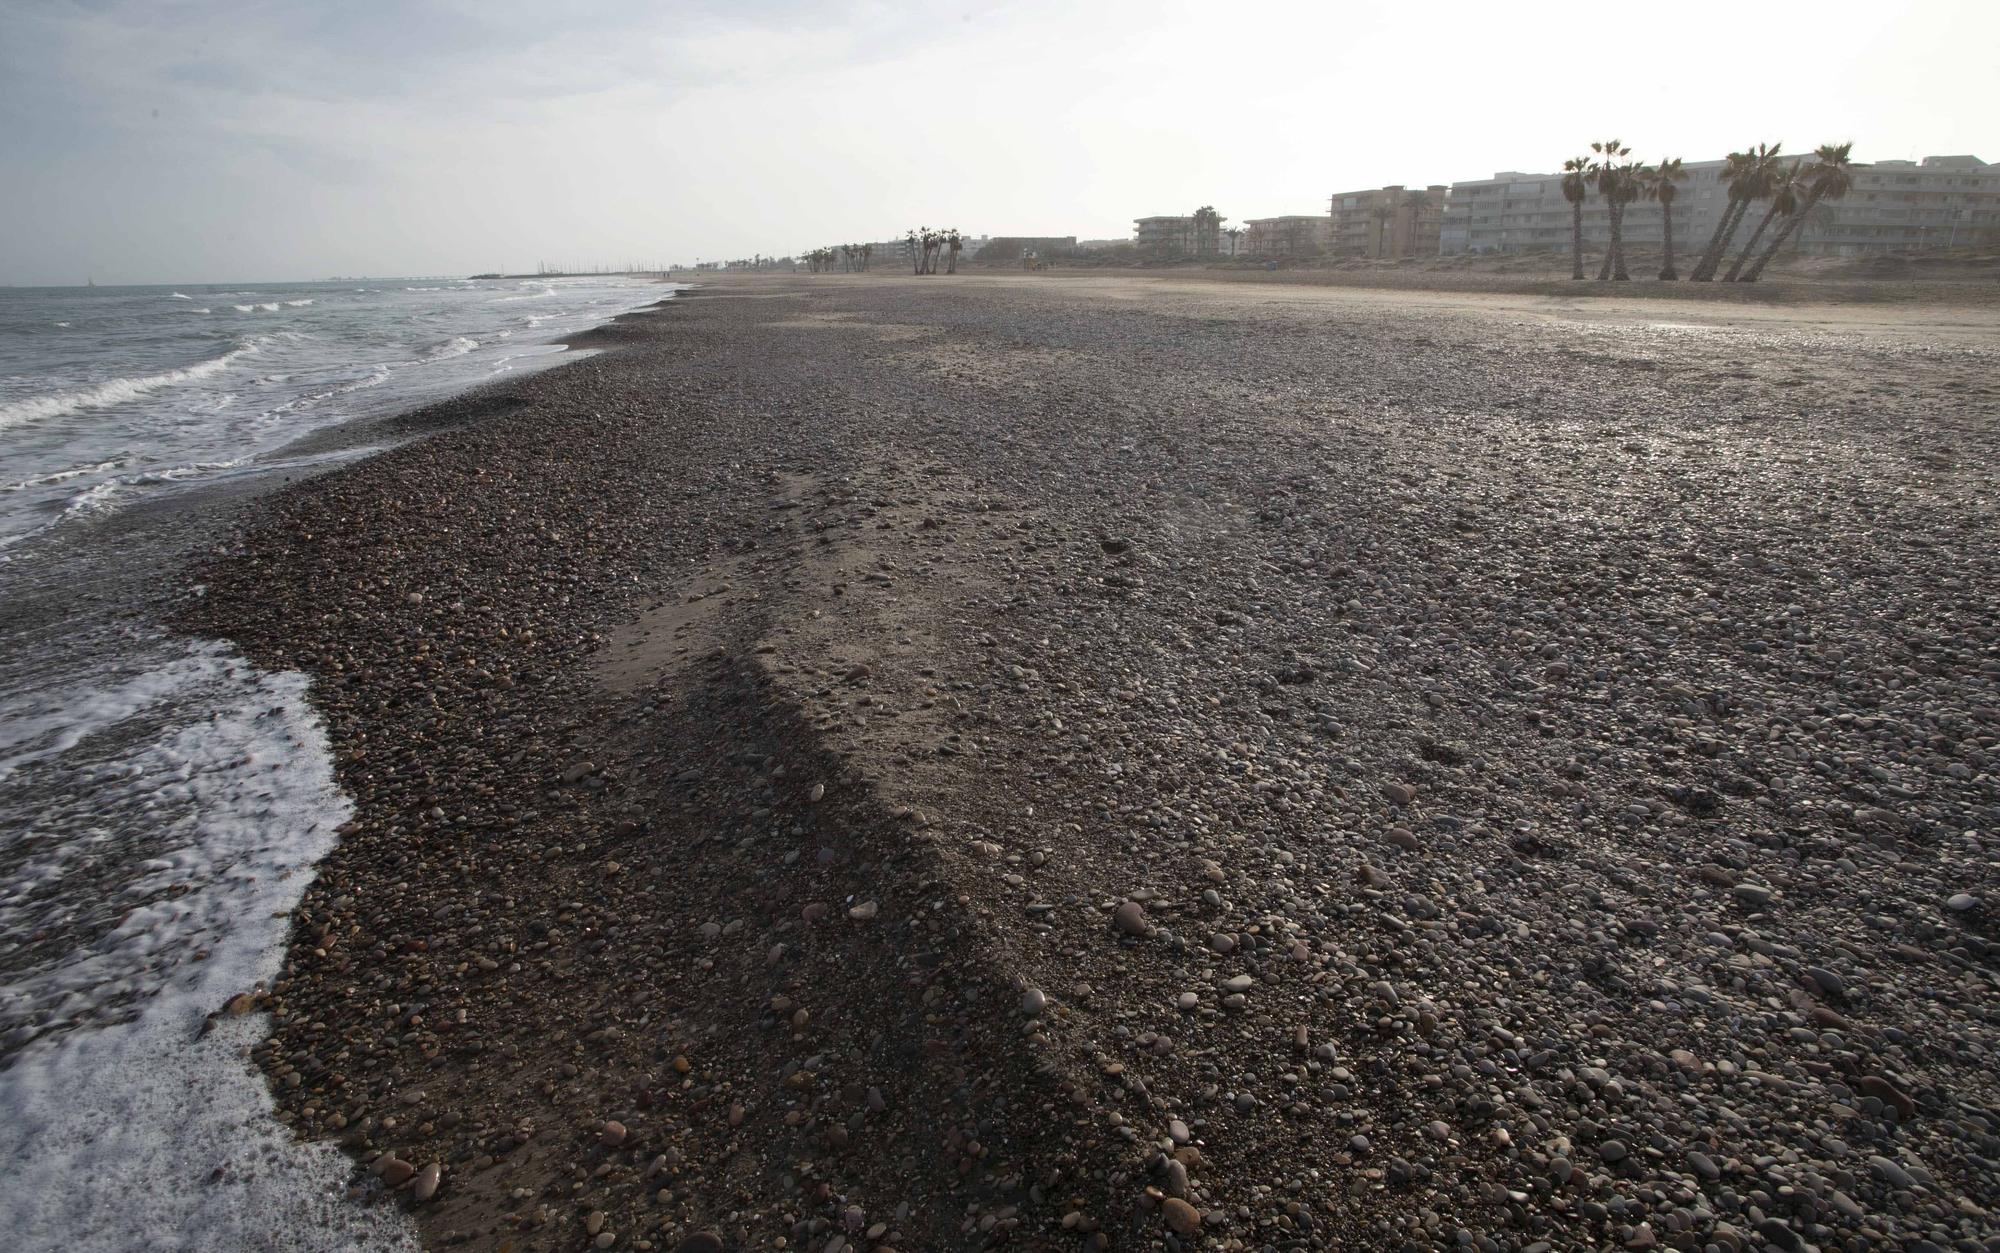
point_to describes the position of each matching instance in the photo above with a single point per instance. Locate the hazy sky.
(164, 140)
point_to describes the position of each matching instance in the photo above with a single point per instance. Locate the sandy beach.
(1087, 760)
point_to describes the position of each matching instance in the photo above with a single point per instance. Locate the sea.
(163, 801)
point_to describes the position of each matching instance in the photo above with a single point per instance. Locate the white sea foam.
(269, 306)
(194, 796)
(100, 498)
(456, 346)
(64, 325)
(298, 304)
(63, 476)
(178, 296)
(194, 311)
(114, 391)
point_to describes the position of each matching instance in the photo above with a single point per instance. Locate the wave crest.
(113, 391)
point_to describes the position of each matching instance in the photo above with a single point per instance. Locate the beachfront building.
(1900, 206)
(1168, 235)
(1293, 235)
(1388, 221)
(1895, 206)
(1516, 212)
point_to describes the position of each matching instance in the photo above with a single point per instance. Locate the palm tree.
(1660, 186)
(1783, 190)
(1207, 230)
(1235, 233)
(1749, 177)
(956, 242)
(1418, 203)
(867, 251)
(1576, 186)
(1381, 213)
(1604, 175)
(1628, 184)
(1830, 177)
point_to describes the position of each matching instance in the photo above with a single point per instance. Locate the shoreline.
(731, 726)
(173, 799)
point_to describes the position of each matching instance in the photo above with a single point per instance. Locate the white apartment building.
(1894, 206)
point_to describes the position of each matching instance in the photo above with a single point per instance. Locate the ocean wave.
(194, 310)
(178, 296)
(298, 304)
(64, 325)
(114, 391)
(542, 294)
(377, 376)
(63, 476)
(267, 307)
(456, 346)
(100, 497)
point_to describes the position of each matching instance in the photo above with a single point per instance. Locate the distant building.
(1099, 245)
(1292, 235)
(1895, 206)
(1170, 235)
(1388, 221)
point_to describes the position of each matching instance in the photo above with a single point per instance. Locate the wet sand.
(889, 763)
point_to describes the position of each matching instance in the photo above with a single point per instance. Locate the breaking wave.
(113, 391)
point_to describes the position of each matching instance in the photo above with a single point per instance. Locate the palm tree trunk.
(1751, 246)
(1576, 240)
(1791, 224)
(1618, 273)
(1667, 273)
(1718, 244)
(1604, 267)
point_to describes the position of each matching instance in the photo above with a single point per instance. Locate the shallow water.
(162, 800)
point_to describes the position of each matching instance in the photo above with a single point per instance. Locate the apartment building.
(1898, 206)
(1292, 235)
(1894, 206)
(1516, 212)
(1388, 221)
(1170, 234)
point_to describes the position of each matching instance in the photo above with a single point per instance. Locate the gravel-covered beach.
(1077, 761)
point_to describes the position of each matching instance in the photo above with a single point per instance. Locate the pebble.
(1755, 895)
(1182, 1218)
(1130, 918)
